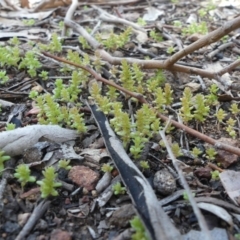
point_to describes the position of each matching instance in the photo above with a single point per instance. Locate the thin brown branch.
(141, 99)
(147, 64)
(154, 64)
(229, 68)
(204, 41)
(97, 77)
(213, 166)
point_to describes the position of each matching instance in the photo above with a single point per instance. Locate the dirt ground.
(164, 76)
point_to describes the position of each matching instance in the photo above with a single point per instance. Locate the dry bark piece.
(108, 192)
(227, 97)
(35, 153)
(83, 177)
(218, 211)
(226, 158)
(164, 182)
(204, 172)
(104, 182)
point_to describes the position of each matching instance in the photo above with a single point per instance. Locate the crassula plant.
(48, 183)
(3, 158)
(22, 173)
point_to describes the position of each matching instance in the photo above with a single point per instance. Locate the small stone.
(94, 193)
(164, 182)
(58, 234)
(121, 217)
(83, 177)
(22, 218)
(85, 191)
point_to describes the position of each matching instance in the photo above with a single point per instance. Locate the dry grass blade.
(201, 220)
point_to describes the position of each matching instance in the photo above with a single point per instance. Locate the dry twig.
(35, 216)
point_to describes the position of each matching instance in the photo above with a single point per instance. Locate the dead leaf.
(192, 18)
(216, 233)
(228, 3)
(218, 211)
(225, 79)
(25, 14)
(131, 16)
(231, 182)
(29, 34)
(142, 37)
(66, 151)
(5, 22)
(14, 142)
(194, 87)
(34, 110)
(152, 14)
(38, 88)
(94, 155)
